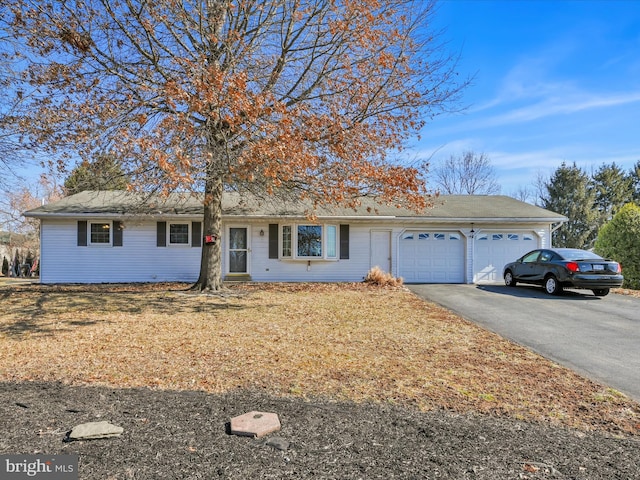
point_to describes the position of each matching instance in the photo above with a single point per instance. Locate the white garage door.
(493, 250)
(431, 257)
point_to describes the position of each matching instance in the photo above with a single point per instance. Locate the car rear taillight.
(617, 268)
(573, 267)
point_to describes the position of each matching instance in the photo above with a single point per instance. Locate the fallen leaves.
(345, 341)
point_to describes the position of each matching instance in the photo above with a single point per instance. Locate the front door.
(381, 249)
(238, 250)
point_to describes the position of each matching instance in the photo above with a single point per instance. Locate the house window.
(100, 233)
(178, 234)
(286, 241)
(454, 236)
(332, 241)
(309, 240)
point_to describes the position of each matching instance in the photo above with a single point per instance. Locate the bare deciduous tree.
(469, 174)
(25, 197)
(305, 97)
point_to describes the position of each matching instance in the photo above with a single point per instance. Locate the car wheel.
(509, 281)
(552, 286)
(601, 292)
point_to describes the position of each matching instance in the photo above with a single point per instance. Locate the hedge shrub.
(619, 239)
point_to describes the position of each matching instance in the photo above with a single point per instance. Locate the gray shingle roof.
(446, 208)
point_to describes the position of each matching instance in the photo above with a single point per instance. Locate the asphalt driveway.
(597, 337)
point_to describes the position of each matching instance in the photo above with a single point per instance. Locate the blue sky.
(555, 81)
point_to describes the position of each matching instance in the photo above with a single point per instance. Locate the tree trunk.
(211, 263)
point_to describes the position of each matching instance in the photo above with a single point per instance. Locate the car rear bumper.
(595, 281)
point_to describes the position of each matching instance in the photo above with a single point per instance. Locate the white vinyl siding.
(326, 269)
(138, 260)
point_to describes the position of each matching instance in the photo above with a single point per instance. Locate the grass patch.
(344, 341)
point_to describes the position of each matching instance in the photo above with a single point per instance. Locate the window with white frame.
(178, 234)
(306, 241)
(100, 233)
(287, 245)
(309, 241)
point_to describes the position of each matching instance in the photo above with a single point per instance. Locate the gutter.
(393, 218)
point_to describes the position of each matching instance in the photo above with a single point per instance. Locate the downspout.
(553, 229)
(472, 235)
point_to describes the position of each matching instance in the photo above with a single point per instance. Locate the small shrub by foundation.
(377, 276)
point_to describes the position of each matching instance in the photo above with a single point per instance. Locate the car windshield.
(579, 255)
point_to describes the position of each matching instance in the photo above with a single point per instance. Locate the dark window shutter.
(344, 242)
(117, 234)
(196, 234)
(82, 233)
(273, 240)
(162, 234)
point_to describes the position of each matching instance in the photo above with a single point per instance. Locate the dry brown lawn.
(342, 341)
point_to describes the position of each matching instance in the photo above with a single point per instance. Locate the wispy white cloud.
(554, 106)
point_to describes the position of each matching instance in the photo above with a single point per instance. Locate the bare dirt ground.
(368, 383)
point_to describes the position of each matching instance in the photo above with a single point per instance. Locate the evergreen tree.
(619, 239)
(104, 173)
(568, 192)
(613, 188)
(634, 175)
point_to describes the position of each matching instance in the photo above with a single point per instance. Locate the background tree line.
(589, 201)
(603, 213)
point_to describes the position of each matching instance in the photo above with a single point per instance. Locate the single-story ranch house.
(109, 237)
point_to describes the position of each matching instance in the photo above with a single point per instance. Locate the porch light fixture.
(261, 232)
(472, 232)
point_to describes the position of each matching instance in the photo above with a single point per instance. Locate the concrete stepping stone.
(95, 430)
(255, 424)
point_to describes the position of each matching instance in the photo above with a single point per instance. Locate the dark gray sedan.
(556, 268)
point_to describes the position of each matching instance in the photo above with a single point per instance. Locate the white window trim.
(323, 240)
(178, 245)
(99, 244)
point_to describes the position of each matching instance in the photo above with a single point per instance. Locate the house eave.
(323, 218)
